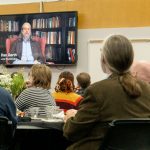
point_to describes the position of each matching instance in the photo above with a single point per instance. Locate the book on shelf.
(41, 23)
(72, 22)
(9, 26)
(71, 55)
(51, 37)
(71, 37)
(53, 54)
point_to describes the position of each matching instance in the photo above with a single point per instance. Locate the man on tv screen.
(25, 50)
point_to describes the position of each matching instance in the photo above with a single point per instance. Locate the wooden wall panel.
(20, 8)
(94, 13)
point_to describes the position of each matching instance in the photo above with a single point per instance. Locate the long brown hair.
(117, 53)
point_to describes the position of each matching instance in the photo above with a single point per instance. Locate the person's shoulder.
(37, 90)
(34, 41)
(19, 39)
(75, 95)
(27, 90)
(32, 89)
(103, 85)
(54, 93)
(144, 84)
(98, 83)
(5, 94)
(3, 91)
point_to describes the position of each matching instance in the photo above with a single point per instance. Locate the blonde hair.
(117, 53)
(41, 75)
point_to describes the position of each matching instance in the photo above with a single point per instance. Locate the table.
(40, 135)
(38, 123)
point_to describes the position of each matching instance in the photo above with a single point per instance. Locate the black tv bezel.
(26, 17)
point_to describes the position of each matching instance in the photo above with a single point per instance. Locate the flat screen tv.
(55, 33)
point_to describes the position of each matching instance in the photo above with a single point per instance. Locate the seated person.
(37, 94)
(7, 106)
(120, 96)
(64, 94)
(25, 50)
(141, 69)
(84, 80)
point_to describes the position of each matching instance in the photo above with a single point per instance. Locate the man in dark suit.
(25, 50)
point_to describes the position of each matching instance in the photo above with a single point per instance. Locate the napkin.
(60, 115)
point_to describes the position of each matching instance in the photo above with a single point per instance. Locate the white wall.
(86, 35)
(141, 49)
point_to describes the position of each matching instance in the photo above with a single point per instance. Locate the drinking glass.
(34, 112)
(51, 110)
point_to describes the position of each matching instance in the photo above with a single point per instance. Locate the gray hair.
(118, 53)
(117, 57)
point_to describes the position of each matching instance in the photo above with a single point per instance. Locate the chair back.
(42, 42)
(9, 42)
(6, 133)
(130, 134)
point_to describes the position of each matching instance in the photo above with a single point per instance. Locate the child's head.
(83, 79)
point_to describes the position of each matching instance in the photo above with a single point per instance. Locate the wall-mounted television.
(56, 33)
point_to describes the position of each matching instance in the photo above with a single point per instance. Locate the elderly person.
(120, 96)
(26, 50)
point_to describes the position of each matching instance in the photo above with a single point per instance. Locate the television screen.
(49, 38)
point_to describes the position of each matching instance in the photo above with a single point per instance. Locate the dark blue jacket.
(7, 106)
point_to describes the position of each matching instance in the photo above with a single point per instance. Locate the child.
(84, 80)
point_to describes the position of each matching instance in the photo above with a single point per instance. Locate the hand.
(21, 114)
(70, 113)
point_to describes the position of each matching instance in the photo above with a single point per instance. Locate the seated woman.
(37, 94)
(64, 94)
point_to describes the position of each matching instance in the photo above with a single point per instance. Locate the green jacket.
(104, 101)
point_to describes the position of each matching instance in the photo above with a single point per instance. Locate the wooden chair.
(42, 42)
